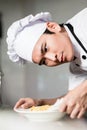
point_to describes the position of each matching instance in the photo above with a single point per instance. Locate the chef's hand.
(75, 102)
(26, 103)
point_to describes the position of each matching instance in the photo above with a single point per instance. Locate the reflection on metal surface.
(10, 120)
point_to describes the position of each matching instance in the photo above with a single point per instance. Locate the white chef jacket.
(78, 67)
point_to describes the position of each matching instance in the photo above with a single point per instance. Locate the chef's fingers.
(66, 106)
(70, 108)
(81, 113)
(75, 111)
(26, 105)
(19, 103)
(62, 107)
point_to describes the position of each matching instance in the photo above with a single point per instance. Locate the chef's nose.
(51, 56)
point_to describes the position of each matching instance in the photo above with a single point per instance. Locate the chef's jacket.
(76, 28)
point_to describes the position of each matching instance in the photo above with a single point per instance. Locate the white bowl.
(41, 115)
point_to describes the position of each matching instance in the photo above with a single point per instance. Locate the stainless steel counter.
(10, 120)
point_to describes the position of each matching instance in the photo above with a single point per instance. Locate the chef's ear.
(52, 26)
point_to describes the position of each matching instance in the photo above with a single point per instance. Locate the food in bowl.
(40, 108)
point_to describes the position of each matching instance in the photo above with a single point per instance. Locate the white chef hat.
(23, 34)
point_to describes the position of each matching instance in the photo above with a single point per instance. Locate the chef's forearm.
(46, 101)
(81, 89)
(84, 88)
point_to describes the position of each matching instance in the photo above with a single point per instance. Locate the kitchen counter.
(10, 120)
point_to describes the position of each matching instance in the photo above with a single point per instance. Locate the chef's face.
(53, 49)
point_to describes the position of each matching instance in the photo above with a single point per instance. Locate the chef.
(39, 40)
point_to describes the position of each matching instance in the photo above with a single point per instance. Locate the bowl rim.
(21, 110)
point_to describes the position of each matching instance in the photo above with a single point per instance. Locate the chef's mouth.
(63, 59)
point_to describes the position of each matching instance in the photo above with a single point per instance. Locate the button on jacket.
(76, 28)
